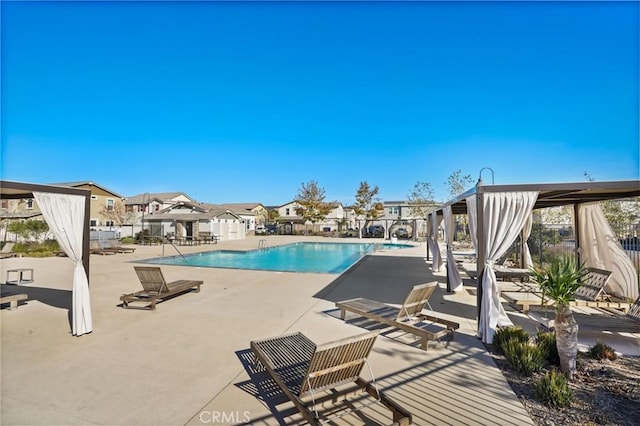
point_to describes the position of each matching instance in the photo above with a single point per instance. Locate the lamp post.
(480, 175)
(145, 197)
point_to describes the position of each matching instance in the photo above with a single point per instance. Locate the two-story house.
(107, 206)
(149, 203)
(290, 222)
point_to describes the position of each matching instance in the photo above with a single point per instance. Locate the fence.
(548, 241)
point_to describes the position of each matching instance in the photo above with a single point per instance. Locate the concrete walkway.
(188, 362)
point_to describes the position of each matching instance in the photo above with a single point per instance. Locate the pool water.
(329, 258)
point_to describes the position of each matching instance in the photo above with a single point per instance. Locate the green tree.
(18, 227)
(274, 215)
(368, 205)
(310, 203)
(618, 213)
(29, 229)
(458, 183)
(118, 214)
(37, 228)
(421, 202)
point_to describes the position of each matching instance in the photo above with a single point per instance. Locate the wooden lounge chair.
(117, 246)
(13, 300)
(302, 369)
(408, 318)
(590, 294)
(629, 322)
(6, 250)
(156, 288)
(95, 247)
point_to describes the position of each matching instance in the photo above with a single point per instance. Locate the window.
(286, 211)
(156, 207)
(4, 204)
(393, 210)
(93, 222)
(109, 223)
(29, 204)
(110, 204)
(94, 197)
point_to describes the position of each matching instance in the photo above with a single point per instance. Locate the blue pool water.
(330, 258)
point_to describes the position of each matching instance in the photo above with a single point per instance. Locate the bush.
(504, 334)
(524, 358)
(554, 389)
(602, 351)
(547, 341)
(128, 240)
(44, 249)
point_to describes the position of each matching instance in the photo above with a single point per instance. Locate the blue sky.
(243, 102)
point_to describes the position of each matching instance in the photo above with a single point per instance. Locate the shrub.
(602, 351)
(44, 249)
(128, 240)
(547, 341)
(554, 389)
(504, 334)
(524, 358)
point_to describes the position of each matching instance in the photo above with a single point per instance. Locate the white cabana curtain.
(527, 262)
(472, 214)
(65, 216)
(601, 249)
(504, 215)
(433, 242)
(453, 275)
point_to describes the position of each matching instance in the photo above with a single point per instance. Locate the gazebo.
(66, 211)
(499, 213)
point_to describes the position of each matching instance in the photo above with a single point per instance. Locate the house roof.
(157, 196)
(6, 214)
(234, 208)
(240, 206)
(202, 211)
(89, 183)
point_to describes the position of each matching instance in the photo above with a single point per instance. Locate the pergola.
(499, 213)
(66, 210)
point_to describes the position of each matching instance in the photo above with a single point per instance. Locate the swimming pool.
(328, 258)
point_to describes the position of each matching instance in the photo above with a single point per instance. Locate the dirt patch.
(605, 393)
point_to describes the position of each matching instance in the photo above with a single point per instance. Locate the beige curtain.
(599, 248)
(504, 215)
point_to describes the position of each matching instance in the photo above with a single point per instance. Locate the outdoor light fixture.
(480, 175)
(145, 196)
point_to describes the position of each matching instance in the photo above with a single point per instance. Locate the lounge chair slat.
(155, 288)
(406, 318)
(301, 369)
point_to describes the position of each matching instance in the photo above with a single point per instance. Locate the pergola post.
(480, 255)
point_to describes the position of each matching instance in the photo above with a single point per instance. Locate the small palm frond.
(561, 280)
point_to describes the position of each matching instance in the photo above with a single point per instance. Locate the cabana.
(66, 211)
(499, 213)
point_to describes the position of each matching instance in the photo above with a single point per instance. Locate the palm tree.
(560, 282)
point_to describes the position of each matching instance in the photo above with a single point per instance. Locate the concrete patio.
(189, 362)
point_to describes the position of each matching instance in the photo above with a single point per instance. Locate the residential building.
(149, 203)
(291, 222)
(252, 213)
(195, 220)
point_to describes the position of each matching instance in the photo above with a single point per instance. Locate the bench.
(13, 300)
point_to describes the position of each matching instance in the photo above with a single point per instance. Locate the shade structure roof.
(556, 194)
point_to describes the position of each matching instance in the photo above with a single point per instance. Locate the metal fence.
(548, 241)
